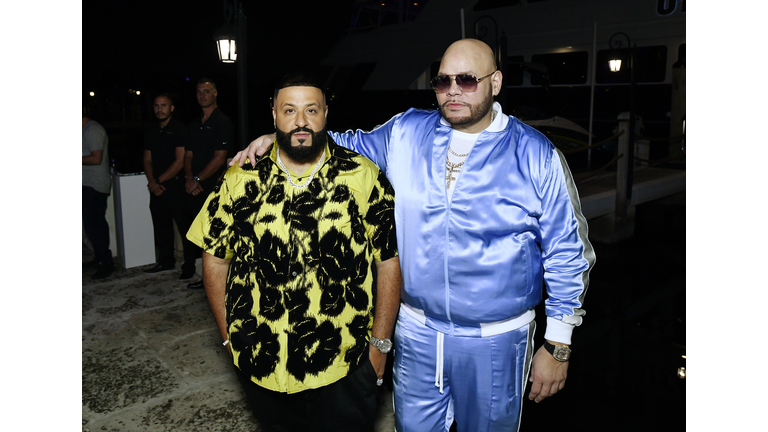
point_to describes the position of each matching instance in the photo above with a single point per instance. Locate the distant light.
(615, 65)
(683, 355)
(138, 92)
(681, 373)
(187, 78)
(92, 94)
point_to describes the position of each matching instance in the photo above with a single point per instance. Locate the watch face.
(384, 345)
(561, 353)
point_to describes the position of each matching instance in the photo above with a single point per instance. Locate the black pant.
(346, 405)
(166, 208)
(195, 203)
(95, 223)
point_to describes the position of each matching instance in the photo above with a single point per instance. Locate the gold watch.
(561, 353)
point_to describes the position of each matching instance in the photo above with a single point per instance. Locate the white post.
(592, 93)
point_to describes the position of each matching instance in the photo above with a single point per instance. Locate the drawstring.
(439, 367)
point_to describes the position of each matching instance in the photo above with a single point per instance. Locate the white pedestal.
(135, 235)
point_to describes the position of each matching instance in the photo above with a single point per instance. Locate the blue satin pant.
(483, 379)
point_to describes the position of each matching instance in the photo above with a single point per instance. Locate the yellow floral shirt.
(300, 292)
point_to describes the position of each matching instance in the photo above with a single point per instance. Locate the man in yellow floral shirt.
(289, 252)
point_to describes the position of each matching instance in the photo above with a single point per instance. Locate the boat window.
(562, 68)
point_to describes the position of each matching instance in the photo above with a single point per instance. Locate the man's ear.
(497, 79)
(274, 118)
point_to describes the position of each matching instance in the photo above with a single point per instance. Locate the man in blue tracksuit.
(485, 209)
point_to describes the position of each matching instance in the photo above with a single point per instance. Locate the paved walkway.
(153, 360)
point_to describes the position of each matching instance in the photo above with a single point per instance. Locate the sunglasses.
(466, 82)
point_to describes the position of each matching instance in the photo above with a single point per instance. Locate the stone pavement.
(152, 359)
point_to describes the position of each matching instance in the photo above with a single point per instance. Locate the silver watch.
(384, 345)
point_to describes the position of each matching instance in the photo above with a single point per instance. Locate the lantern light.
(225, 41)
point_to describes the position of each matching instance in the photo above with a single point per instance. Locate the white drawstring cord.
(439, 366)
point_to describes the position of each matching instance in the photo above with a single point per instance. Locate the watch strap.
(383, 345)
(551, 349)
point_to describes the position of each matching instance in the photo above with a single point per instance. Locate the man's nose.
(301, 119)
(454, 89)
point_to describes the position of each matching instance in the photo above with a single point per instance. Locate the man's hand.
(547, 375)
(256, 147)
(192, 187)
(155, 188)
(197, 190)
(378, 360)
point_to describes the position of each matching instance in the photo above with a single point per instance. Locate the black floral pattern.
(260, 346)
(312, 347)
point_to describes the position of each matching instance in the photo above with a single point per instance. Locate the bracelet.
(226, 342)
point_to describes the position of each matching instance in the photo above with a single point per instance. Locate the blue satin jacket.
(514, 221)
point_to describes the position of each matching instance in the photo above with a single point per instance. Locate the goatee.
(476, 113)
(302, 154)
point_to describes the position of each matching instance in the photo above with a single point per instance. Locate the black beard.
(476, 113)
(301, 154)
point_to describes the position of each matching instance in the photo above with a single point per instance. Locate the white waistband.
(485, 329)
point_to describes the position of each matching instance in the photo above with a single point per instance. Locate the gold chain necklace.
(456, 154)
(455, 168)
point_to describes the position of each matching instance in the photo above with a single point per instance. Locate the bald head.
(466, 109)
(468, 55)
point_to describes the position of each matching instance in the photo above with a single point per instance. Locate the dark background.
(162, 46)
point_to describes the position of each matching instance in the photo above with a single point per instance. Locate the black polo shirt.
(215, 134)
(162, 142)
